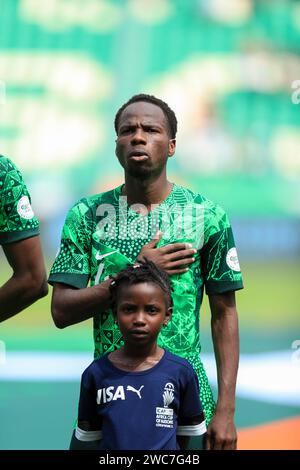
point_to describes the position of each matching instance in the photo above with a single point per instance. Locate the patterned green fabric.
(102, 235)
(17, 220)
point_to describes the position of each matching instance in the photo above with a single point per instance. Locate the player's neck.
(136, 359)
(146, 192)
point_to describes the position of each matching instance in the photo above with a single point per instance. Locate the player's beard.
(144, 172)
(139, 172)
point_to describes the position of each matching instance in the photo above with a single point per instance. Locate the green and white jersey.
(102, 235)
(17, 220)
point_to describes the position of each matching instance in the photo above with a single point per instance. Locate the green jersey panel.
(73, 263)
(17, 220)
(102, 235)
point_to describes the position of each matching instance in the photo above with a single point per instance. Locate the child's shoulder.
(178, 361)
(97, 365)
(98, 360)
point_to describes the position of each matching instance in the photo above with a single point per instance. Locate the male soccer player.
(19, 237)
(195, 246)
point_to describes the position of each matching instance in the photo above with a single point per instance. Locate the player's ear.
(172, 147)
(116, 146)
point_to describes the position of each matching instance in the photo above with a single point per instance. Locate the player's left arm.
(28, 281)
(221, 431)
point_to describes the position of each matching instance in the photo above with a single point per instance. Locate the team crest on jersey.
(24, 208)
(165, 415)
(232, 260)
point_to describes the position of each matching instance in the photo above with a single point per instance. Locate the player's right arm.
(72, 300)
(71, 305)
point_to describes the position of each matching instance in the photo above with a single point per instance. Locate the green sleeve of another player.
(72, 264)
(219, 257)
(17, 220)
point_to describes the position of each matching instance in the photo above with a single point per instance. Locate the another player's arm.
(28, 281)
(71, 305)
(221, 432)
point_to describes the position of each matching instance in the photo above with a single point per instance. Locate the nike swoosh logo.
(100, 257)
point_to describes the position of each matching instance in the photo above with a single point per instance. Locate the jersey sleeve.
(72, 264)
(191, 420)
(219, 259)
(17, 220)
(87, 411)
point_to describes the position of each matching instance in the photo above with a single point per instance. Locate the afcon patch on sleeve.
(232, 260)
(24, 208)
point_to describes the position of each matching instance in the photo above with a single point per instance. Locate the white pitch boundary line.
(272, 377)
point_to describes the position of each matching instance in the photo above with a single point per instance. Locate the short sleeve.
(72, 264)
(191, 421)
(219, 259)
(87, 410)
(17, 220)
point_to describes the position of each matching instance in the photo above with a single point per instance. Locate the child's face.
(141, 312)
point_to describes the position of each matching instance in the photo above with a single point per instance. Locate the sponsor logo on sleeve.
(232, 260)
(24, 208)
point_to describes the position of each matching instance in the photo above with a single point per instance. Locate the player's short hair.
(143, 271)
(168, 112)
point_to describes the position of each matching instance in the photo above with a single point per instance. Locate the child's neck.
(136, 359)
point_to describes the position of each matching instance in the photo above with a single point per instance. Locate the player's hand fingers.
(217, 444)
(181, 255)
(229, 444)
(180, 263)
(172, 247)
(179, 266)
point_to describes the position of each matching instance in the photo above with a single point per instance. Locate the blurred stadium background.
(229, 69)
